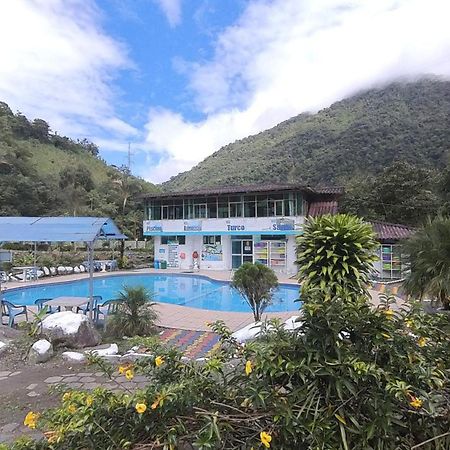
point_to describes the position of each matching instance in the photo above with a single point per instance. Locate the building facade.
(220, 229)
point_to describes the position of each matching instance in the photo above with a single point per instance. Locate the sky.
(178, 79)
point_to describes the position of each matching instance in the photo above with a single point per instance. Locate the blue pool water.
(189, 290)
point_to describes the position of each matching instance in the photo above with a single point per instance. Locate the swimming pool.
(195, 291)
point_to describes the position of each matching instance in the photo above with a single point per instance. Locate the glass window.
(262, 208)
(234, 199)
(181, 240)
(178, 211)
(235, 209)
(299, 204)
(212, 208)
(250, 209)
(199, 211)
(212, 240)
(223, 210)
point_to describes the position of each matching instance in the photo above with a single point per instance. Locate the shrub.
(335, 255)
(350, 377)
(134, 315)
(257, 284)
(429, 260)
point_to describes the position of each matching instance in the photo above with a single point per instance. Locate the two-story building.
(221, 228)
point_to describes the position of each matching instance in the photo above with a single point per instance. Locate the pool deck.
(181, 317)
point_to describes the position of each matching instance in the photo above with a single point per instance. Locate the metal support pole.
(91, 278)
(35, 262)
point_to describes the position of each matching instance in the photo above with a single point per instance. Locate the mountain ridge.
(370, 130)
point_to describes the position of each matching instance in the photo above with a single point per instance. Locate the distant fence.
(130, 244)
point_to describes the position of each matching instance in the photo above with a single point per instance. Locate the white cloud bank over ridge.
(57, 64)
(285, 57)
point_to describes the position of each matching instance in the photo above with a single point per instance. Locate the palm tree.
(429, 260)
(134, 315)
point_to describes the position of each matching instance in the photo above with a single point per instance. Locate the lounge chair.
(85, 308)
(12, 311)
(40, 302)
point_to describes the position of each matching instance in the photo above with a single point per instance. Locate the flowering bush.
(349, 377)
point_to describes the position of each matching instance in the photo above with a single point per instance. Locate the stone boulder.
(3, 347)
(41, 351)
(70, 329)
(74, 357)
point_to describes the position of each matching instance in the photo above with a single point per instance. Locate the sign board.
(260, 225)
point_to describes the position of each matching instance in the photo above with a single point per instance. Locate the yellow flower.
(89, 400)
(389, 313)
(415, 402)
(409, 323)
(422, 342)
(248, 367)
(159, 361)
(31, 419)
(122, 370)
(141, 408)
(72, 409)
(158, 402)
(67, 396)
(266, 438)
(129, 374)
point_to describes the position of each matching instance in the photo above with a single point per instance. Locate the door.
(241, 252)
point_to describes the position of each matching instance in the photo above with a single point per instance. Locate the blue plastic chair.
(40, 302)
(12, 311)
(106, 308)
(85, 308)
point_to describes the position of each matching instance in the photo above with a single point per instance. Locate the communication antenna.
(129, 156)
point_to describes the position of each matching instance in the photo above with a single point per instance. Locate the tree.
(135, 315)
(428, 252)
(257, 284)
(335, 254)
(75, 183)
(401, 193)
(40, 130)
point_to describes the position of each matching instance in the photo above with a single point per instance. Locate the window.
(212, 240)
(181, 240)
(212, 208)
(235, 209)
(222, 210)
(262, 209)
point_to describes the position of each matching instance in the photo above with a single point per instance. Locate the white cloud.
(172, 10)
(58, 64)
(285, 57)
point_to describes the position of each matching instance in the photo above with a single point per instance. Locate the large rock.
(74, 357)
(3, 347)
(70, 329)
(111, 350)
(41, 351)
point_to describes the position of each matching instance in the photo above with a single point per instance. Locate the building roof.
(243, 189)
(57, 229)
(321, 208)
(391, 231)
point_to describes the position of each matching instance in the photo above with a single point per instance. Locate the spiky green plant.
(335, 255)
(135, 315)
(257, 284)
(428, 252)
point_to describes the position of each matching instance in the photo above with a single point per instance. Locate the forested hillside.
(362, 134)
(42, 173)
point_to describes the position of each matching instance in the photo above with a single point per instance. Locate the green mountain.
(363, 134)
(43, 173)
